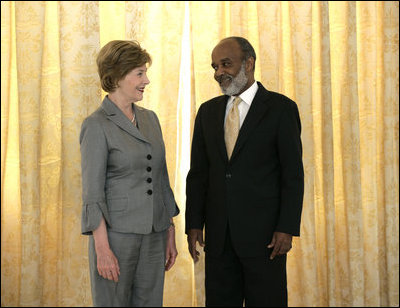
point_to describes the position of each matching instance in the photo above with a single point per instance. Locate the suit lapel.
(115, 115)
(256, 112)
(220, 132)
(144, 123)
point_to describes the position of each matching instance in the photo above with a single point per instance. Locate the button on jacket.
(124, 172)
(260, 189)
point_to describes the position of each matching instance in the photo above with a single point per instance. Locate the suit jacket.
(260, 189)
(124, 172)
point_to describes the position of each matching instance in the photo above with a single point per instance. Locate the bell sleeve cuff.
(91, 216)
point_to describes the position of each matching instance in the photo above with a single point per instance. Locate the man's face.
(230, 69)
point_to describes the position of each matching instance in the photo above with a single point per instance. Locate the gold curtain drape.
(338, 60)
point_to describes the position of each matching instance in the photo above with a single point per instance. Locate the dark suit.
(260, 189)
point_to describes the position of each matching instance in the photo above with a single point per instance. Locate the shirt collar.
(248, 95)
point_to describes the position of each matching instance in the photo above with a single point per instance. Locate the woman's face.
(133, 84)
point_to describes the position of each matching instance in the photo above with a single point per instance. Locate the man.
(245, 184)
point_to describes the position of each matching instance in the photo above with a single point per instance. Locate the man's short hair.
(245, 46)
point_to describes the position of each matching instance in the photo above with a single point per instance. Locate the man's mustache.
(224, 77)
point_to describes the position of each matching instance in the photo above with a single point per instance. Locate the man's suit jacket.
(260, 189)
(124, 172)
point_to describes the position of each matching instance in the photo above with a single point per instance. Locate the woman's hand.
(107, 263)
(171, 252)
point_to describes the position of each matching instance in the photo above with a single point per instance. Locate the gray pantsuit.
(141, 260)
(125, 180)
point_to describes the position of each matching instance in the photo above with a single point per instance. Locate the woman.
(128, 203)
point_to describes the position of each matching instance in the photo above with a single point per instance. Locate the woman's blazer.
(124, 172)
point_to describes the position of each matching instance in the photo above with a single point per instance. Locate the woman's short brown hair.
(116, 59)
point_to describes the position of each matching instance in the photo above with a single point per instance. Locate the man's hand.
(193, 236)
(282, 243)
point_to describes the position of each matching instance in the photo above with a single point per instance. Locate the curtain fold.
(338, 60)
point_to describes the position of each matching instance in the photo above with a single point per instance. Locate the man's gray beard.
(237, 83)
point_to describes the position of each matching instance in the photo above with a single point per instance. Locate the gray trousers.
(141, 259)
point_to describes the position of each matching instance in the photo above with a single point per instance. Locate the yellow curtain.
(338, 60)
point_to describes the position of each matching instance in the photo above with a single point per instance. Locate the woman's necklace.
(134, 120)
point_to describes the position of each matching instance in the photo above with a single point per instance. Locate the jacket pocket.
(117, 204)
